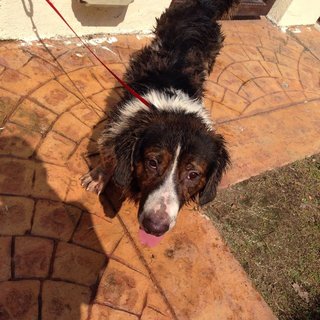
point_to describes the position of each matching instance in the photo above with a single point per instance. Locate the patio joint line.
(298, 68)
(115, 258)
(65, 72)
(156, 310)
(292, 34)
(287, 106)
(152, 277)
(12, 257)
(82, 97)
(106, 304)
(40, 301)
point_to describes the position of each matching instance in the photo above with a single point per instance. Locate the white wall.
(18, 18)
(295, 12)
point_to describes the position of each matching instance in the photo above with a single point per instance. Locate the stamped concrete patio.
(64, 255)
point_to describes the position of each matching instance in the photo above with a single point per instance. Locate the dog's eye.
(153, 164)
(193, 175)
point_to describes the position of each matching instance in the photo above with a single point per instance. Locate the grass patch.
(272, 225)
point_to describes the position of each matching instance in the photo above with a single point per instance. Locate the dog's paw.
(94, 181)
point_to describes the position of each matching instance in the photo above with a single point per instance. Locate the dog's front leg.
(95, 180)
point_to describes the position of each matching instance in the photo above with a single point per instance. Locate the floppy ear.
(124, 150)
(220, 161)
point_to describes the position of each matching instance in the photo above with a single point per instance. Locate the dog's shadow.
(51, 260)
(113, 194)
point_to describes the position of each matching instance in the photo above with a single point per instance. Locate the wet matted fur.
(168, 154)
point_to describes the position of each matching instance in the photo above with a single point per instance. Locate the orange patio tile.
(249, 38)
(55, 97)
(122, 288)
(223, 61)
(96, 233)
(234, 101)
(215, 74)
(82, 82)
(179, 255)
(77, 163)
(55, 220)
(290, 84)
(5, 262)
(100, 99)
(19, 299)
(18, 141)
(219, 112)
(87, 113)
(8, 101)
(50, 182)
(32, 257)
(312, 94)
(277, 99)
(239, 70)
(16, 176)
(104, 312)
(271, 68)
(70, 258)
(268, 85)
(216, 91)
(279, 137)
(64, 301)
(251, 91)
(309, 38)
(309, 78)
(37, 68)
(16, 82)
(71, 127)
(230, 81)
(55, 148)
(235, 52)
(264, 102)
(287, 61)
(296, 96)
(14, 59)
(232, 37)
(136, 42)
(16, 215)
(309, 60)
(127, 254)
(288, 72)
(268, 55)
(32, 116)
(73, 60)
(255, 68)
(151, 314)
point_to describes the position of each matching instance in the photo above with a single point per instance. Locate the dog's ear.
(124, 151)
(219, 164)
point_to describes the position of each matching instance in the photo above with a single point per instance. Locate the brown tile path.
(63, 256)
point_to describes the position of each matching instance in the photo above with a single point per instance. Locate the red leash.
(127, 87)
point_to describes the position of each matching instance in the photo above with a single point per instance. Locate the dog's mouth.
(151, 240)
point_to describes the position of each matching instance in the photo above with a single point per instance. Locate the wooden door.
(254, 8)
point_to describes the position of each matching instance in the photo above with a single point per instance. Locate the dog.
(168, 154)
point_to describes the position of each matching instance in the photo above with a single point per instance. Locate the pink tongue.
(148, 239)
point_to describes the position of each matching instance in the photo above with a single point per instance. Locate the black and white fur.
(168, 154)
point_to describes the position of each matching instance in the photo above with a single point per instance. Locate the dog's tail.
(218, 9)
(215, 9)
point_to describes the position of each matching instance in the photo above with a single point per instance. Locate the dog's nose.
(156, 224)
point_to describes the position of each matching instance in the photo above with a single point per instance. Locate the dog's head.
(175, 159)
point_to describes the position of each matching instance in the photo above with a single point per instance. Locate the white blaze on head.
(165, 197)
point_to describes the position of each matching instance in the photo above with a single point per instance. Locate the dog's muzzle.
(155, 223)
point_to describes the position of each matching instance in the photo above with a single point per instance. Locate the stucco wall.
(295, 12)
(278, 9)
(18, 18)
